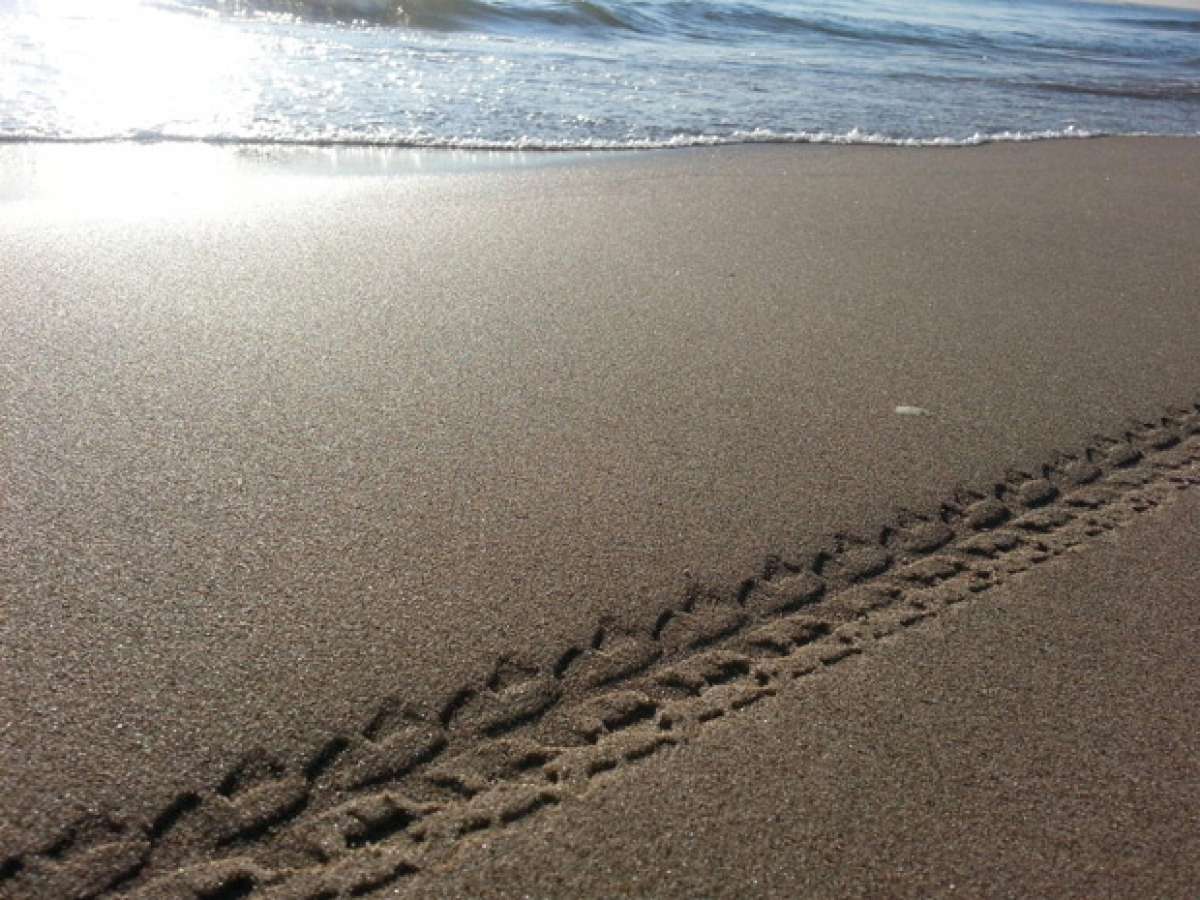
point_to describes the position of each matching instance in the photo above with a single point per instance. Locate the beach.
(1039, 742)
(329, 469)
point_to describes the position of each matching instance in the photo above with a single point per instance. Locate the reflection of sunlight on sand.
(133, 182)
(127, 62)
(139, 181)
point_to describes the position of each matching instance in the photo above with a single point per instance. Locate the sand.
(1042, 740)
(311, 484)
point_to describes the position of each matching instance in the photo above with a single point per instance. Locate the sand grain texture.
(1042, 741)
(307, 494)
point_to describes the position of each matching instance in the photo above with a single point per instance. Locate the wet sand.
(293, 463)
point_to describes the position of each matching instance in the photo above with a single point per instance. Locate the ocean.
(590, 74)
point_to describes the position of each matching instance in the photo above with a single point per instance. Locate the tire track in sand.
(375, 806)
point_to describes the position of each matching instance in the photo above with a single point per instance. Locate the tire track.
(371, 808)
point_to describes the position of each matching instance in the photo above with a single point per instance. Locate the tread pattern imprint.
(374, 807)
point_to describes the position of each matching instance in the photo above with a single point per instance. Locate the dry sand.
(1041, 741)
(381, 467)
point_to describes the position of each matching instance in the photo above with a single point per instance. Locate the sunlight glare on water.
(124, 61)
(587, 74)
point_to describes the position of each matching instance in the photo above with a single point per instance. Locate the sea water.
(593, 73)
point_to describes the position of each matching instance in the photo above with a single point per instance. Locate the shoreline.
(855, 137)
(35, 171)
(534, 149)
(314, 463)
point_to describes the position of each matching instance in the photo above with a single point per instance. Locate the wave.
(316, 10)
(450, 15)
(1158, 23)
(441, 15)
(381, 11)
(853, 137)
(1176, 93)
(728, 21)
(725, 22)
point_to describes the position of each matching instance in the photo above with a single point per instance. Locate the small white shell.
(912, 411)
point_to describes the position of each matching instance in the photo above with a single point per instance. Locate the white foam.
(423, 140)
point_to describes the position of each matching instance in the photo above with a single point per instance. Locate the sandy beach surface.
(1042, 741)
(333, 509)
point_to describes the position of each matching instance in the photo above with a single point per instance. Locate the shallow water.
(593, 73)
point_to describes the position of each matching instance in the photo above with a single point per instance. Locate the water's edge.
(852, 138)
